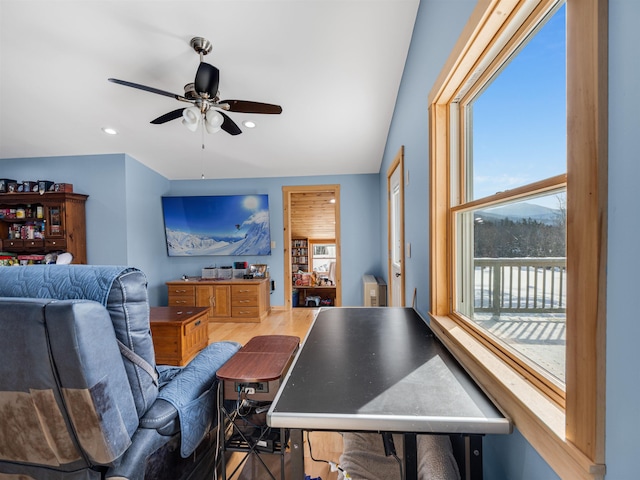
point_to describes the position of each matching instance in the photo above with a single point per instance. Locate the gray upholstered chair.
(80, 394)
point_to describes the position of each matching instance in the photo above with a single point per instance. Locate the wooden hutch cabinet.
(234, 300)
(33, 223)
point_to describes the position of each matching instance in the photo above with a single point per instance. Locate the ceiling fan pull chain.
(202, 152)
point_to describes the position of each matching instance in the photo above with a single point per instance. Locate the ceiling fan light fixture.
(203, 95)
(191, 118)
(213, 121)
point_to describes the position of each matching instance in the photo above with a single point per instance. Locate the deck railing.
(520, 285)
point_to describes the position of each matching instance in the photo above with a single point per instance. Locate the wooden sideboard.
(236, 300)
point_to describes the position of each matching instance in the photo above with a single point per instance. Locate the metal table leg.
(297, 454)
(410, 456)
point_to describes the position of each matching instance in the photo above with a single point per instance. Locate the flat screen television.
(217, 225)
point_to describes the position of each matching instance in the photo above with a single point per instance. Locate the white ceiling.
(333, 65)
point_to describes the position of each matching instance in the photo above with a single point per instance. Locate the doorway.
(312, 255)
(395, 229)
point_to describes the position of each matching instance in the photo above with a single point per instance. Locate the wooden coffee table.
(179, 333)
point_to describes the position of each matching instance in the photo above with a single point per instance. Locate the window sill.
(540, 420)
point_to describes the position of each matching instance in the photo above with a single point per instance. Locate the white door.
(396, 232)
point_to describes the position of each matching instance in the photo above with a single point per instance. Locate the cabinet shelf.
(22, 220)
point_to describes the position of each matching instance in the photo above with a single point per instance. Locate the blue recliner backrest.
(65, 399)
(122, 290)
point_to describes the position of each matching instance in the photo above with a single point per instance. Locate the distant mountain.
(257, 240)
(520, 211)
(183, 243)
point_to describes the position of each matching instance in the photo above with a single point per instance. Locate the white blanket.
(363, 458)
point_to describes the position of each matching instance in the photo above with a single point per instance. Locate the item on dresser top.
(4, 184)
(259, 270)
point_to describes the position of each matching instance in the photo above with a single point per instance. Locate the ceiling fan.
(203, 94)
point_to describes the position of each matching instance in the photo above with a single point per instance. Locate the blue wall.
(623, 264)
(125, 226)
(144, 230)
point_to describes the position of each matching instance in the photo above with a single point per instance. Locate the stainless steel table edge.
(395, 423)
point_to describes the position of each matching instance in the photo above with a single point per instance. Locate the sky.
(212, 215)
(519, 121)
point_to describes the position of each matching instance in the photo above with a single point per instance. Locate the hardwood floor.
(326, 446)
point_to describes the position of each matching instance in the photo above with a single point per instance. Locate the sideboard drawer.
(249, 301)
(181, 301)
(244, 295)
(182, 296)
(182, 290)
(245, 312)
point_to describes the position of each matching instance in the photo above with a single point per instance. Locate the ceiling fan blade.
(244, 106)
(146, 89)
(207, 79)
(229, 125)
(167, 117)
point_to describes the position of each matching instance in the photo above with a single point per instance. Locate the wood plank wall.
(313, 215)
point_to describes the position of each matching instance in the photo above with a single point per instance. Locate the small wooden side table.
(251, 379)
(179, 333)
(260, 365)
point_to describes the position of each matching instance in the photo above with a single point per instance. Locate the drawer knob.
(198, 322)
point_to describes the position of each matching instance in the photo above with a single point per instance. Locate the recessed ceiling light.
(109, 130)
(249, 124)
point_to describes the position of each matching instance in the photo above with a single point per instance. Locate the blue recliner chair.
(80, 394)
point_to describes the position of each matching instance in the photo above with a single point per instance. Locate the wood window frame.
(570, 436)
(318, 241)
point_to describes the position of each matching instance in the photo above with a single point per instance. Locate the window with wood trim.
(517, 249)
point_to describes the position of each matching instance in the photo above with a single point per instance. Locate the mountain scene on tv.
(217, 225)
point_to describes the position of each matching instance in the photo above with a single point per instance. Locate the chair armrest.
(163, 417)
(192, 391)
(199, 375)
